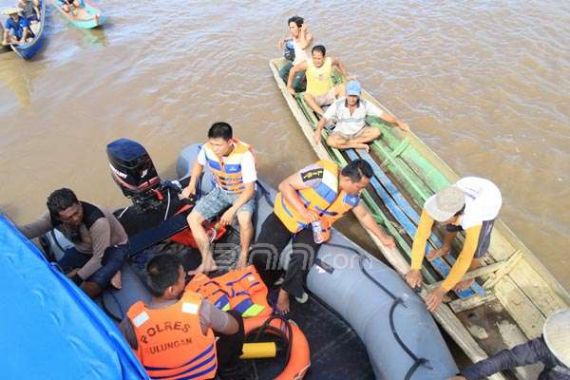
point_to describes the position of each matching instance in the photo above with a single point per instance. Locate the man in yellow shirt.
(470, 205)
(320, 88)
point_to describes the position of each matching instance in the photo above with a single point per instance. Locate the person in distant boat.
(320, 193)
(320, 88)
(551, 349)
(30, 9)
(179, 334)
(99, 240)
(349, 114)
(69, 5)
(16, 28)
(233, 166)
(470, 205)
(296, 50)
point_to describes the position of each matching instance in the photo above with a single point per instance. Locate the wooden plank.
(504, 270)
(529, 319)
(461, 305)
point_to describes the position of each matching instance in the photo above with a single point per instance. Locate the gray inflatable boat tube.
(401, 337)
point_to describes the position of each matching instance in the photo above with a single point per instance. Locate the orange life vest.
(300, 358)
(228, 173)
(324, 199)
(171, 344)
(241, 290)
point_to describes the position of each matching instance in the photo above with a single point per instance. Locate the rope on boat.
(418, 362)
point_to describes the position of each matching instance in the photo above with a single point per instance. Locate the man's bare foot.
(208, 265)
(282, 305)
(462, 285)
(435, 253)
(116, 280)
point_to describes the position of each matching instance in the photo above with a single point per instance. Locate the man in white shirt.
(350, 114)
(233, 166)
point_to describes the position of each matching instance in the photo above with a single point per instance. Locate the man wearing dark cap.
(470, 205)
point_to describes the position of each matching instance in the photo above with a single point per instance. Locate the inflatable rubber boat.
(361, 320)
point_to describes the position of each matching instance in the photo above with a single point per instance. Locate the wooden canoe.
(514, 293)
(85, 17)
(30, 48)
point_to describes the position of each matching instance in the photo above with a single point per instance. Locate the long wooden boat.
(514, 292)
(29, 49)
(85, 17)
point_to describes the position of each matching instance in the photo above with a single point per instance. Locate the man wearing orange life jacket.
(321, 191)
(233, 166)
(173, 336)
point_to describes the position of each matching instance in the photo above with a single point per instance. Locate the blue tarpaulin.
(49, 329)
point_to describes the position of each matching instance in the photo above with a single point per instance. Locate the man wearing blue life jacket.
(16, 28)
(233, 166)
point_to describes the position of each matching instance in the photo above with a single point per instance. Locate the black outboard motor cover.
(134, 172)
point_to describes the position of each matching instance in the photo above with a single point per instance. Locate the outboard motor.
(134, 172)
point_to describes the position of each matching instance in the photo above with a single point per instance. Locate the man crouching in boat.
(319, 194)
(16, 28)
(470, 205)
(320, 88)
(233, 166)
(349, 114)
(173, 336)
(99, 240)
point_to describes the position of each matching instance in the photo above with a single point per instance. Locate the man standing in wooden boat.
(99, 240)
(470, 205)
(321, 90)
(173, 336)
(349, 114)
(552, 349)
(320, 193)
(233, 166)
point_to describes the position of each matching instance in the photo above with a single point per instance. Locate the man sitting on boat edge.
(308, 203)
(99, 240)
(318, 69)
(470, 205)
(173, 336)
(233, 166)
(296, 48)
(349, 114)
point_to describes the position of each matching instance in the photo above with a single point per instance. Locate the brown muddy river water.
(485, 84)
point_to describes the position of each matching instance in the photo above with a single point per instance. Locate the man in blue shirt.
(16, 29)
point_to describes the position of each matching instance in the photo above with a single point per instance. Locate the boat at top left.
(20, 20)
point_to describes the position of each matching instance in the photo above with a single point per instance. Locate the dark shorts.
(484, 238)
(113, 260)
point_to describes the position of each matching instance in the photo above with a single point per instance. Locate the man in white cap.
(470, 205)
(552, 349)
(16, 28)
(349, 114)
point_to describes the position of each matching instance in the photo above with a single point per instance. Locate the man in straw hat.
(16, 29)
(552, 349)
(470, 205)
